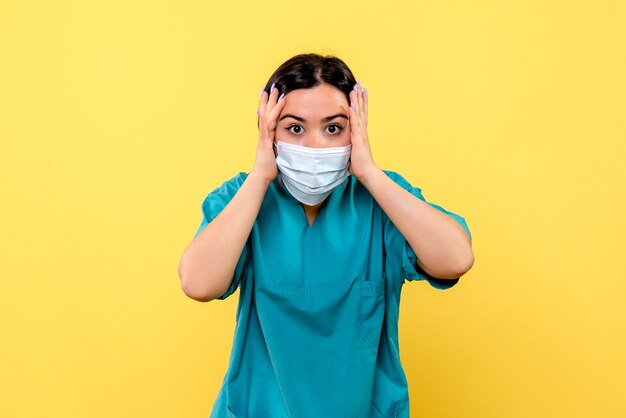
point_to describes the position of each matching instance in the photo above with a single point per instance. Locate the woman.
(319, 240)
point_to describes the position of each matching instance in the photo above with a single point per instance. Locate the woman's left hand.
(361, 160)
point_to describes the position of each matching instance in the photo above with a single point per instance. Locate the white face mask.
(310, 174)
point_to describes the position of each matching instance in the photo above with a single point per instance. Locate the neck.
(312, 207)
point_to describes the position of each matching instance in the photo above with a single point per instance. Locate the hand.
(269, 108)
(361, 160)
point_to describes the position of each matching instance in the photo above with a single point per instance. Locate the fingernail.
(281, 97)
(360, 84)
(257, 112)
(352, 106)
(272, 88)
(262, 90)
(366, 91)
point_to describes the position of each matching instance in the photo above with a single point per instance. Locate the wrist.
(368, 174)
(257, 177)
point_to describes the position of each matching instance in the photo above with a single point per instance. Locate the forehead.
(320, 99)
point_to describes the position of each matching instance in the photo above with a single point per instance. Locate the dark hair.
(309, 70)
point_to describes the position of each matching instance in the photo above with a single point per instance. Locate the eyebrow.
(326, 119)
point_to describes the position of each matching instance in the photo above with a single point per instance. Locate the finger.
(355, 106)
(275, 112)
(268, 100)
(354, 100)
(280, 104)
(365, 102)
(352, 116)
(358, 102)
(263, 101)
(272, 99)
(261, 97)
(261, 111)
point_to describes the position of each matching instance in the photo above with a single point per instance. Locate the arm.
(442, 246)
(207, 265)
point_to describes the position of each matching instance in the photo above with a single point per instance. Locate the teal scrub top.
(316, 330)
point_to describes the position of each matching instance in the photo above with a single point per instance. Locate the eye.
(294, 125)
(337, 130)
(334, 129)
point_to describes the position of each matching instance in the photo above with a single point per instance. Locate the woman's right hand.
(269, 108)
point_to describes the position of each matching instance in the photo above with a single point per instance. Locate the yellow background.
(117, 118)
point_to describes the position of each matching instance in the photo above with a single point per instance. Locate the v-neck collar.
(300, 204)
(317, 214)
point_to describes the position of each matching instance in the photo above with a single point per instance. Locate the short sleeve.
(409, 269)
(211, 207)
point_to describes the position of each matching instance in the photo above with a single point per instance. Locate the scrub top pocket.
(372, 310)
(230, 413)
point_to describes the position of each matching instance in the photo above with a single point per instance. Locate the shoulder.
(398, 178)
(232, 183)
(219, 196)
(237, 180)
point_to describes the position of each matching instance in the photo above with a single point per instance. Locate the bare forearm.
(442, 246)
(207, 265)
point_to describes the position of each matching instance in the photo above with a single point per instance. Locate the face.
(316, 117)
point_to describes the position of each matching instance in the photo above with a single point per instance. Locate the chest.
(334, 246)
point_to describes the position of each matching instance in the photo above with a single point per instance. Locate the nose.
(315, 140)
